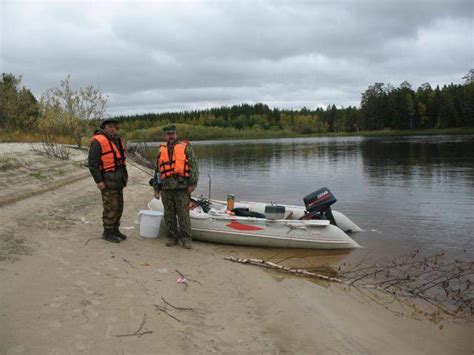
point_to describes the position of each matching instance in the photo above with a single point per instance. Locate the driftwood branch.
(421, 282)
(270, 265)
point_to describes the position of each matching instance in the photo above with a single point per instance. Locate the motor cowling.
(318, 205)
(319, 200)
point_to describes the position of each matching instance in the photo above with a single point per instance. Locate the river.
(407, 193)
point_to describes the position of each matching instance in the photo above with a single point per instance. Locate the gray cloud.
(159, 55)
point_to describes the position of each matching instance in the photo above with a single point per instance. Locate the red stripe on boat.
(243, 227)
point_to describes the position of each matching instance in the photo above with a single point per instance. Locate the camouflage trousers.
(112, 201)
(176, 217)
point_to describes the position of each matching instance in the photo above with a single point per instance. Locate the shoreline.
(261, 135)
(68, 291)
(19, 137)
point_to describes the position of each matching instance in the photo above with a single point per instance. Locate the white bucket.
(149, 223)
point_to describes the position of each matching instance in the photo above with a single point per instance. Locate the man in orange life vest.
(176, 177)
(107, 167)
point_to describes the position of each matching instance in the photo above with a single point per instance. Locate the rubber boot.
(119, 234)
(172, 242)
(110, 236)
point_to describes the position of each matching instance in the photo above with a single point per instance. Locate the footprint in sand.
(87, 311)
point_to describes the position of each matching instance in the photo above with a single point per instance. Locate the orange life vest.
(111, 157)
(178, 165)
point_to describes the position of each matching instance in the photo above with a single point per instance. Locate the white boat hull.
(288, 233)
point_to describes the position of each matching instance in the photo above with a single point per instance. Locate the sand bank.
(64, 290)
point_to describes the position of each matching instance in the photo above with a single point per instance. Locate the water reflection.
(427, 161)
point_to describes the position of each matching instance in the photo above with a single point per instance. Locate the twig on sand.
(182, 280)
(139, 331)
(177, 308)
(187, 278)
(129, 263)
(164, 309)
(88, 240)
(180, 273)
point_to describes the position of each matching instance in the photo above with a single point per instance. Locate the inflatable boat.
(314, 226)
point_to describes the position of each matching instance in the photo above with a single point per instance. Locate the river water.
(407, 193)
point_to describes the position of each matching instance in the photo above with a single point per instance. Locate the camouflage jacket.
(177, 182)
(113, 179)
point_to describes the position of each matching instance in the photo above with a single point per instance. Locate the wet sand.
(64, 290)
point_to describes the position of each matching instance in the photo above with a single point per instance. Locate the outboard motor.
(318, 205)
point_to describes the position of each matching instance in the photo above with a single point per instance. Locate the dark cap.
(108, 120)
(169, 128)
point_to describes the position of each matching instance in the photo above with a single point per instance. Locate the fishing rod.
(139, 167)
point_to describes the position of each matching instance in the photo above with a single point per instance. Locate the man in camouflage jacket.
(175, 190)
(111, 182)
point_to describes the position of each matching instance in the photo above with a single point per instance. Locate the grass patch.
(38, 175)
(197, 133)
(29, 137)
(11, 248)
(8, 162)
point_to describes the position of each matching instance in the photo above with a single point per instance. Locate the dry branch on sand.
(168, 307)
(444, 285)
(270, 265)
(52, 149)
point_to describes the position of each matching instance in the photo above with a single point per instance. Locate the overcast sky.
(155, 56)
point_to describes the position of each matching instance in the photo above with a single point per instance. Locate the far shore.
(245, 134)
(23, 137)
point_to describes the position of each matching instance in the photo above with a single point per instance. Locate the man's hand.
(191, 189)
(157, 194)
(101, 185)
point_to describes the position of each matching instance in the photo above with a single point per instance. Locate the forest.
(382, 107)
(65, 114)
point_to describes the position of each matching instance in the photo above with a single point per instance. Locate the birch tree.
(70, 112)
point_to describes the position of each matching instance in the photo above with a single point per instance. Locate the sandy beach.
(65, 291)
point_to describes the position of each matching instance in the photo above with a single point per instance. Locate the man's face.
(171, 137)
(111, 128)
